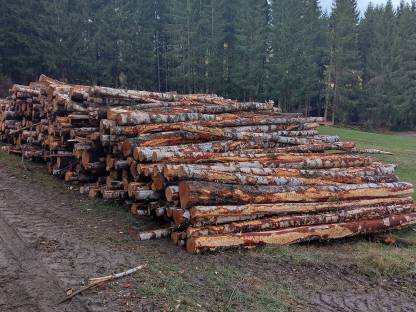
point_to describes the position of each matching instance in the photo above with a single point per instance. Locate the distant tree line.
(352, 70)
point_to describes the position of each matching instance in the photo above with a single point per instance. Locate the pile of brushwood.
(220, 173)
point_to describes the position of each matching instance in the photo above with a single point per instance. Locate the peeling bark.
(300, 234)
(207, 193)
(266, 224)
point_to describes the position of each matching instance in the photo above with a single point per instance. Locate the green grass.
(403, 148)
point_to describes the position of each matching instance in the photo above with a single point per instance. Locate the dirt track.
(47, 245)
(45, 249)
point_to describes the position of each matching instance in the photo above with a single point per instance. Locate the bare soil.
(52, 239)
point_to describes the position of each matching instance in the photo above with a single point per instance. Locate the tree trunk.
(275, 223)
(207, 215)
(173, 153)
(162, 139)
(297, 235)
(207, 193)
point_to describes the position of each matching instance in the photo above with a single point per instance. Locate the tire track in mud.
(46, 252)
(36, 286)
(332, 286)
(338, 290)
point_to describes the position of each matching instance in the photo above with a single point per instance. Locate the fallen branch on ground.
(95, 282)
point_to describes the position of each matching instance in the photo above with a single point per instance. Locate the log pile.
(220, 173)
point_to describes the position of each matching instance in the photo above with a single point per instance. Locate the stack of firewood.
(220, 173)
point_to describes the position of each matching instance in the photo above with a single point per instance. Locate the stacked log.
(219, 173)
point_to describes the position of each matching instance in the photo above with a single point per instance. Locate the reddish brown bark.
(207, 193)
(299, 234)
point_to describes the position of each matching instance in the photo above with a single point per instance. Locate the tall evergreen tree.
(287, 62)
(252, 18)
(22, 41)
(139, 30)
(298, 55)
(377, 49)
(347, 76)
(403, 113)
(315, 55)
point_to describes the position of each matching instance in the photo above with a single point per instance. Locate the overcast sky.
(362, 4)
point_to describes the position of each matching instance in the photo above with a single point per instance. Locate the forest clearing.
(71, 238)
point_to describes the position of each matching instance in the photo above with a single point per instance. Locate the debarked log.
(247, 179)
(374, 173)
(278, 160)
(300, 234)
(188, 151)
(139, 118)
(161, 139)
(266, 224)
(229, 133)
(208, 193)
(146, 96)
(205, 215)
(110, 125)
(234, 120)
(158, 153)
(233, 107)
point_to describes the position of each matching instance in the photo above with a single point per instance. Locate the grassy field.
(403, 148)
(284, 278)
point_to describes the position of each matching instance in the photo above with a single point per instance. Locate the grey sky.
(362, 4)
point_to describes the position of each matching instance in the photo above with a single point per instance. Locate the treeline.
(352, 70)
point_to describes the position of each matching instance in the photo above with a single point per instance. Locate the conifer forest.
(352, 69)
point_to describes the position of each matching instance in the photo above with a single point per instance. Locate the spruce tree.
(377, 50)
(287, 59)
(22, 40)
(315, 49)
(139, 29)
(403, 112)
(252, 20)
(347, 75)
